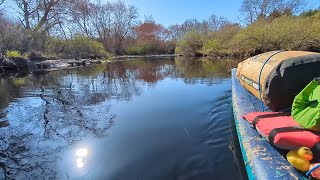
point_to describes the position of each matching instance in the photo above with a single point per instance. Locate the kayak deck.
(262, 161)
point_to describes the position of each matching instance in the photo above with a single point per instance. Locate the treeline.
(84, 28)
(79, 28)
(271, 25)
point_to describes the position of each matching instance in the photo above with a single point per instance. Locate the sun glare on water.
(81, 155)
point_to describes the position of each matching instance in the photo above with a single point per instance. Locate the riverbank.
(18, 65)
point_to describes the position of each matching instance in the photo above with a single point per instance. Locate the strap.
(259, 78)
(257, 118)
(274, 132)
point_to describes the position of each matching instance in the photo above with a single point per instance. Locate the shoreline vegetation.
(55, 34)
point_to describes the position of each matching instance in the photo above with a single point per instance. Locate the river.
(145, 119)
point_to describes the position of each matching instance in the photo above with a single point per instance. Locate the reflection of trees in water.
(149, 71)
(204, 70)
(8, 91)
(57, 113)
(52, 111)
(61, 108)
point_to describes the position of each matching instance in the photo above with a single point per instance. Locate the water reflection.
(47, 114)
(204, 70)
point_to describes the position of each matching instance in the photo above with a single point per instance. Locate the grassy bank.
(285, 32)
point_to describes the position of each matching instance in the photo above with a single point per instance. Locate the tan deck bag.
(283, 74)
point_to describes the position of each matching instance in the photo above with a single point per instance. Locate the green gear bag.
(306, 106)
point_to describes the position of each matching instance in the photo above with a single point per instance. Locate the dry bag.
(282, 74)
(306, 106)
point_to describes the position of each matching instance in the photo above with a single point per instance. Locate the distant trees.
(179, 30)
(253, 10)
(193, 36)
(215, 23)
(151, 38)
(110, 23)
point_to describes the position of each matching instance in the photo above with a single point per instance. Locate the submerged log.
(15, 64)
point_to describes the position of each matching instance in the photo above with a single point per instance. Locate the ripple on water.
(217, 123)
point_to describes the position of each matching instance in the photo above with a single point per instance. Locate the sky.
(168, 12)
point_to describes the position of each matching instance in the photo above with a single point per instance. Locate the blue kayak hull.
(262, 161)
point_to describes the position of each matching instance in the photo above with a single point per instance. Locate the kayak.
(261, 160)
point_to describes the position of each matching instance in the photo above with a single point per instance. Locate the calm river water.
(162, 119)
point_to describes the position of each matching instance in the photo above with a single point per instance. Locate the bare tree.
(216, 23)
(103, 21)
(178, 30)
(175, 32)
(109, 22)
(124, 17)
(80, 14)
(256, 9)
(39, 15)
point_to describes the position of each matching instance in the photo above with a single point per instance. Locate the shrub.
(83, 47)
(19, 81)
(13, 54)
(286, 32)
(136, 50)
(55, 46)
(37, 56)
(220, 43)
(191, 44)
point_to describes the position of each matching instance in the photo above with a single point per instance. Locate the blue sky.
(169, 12)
